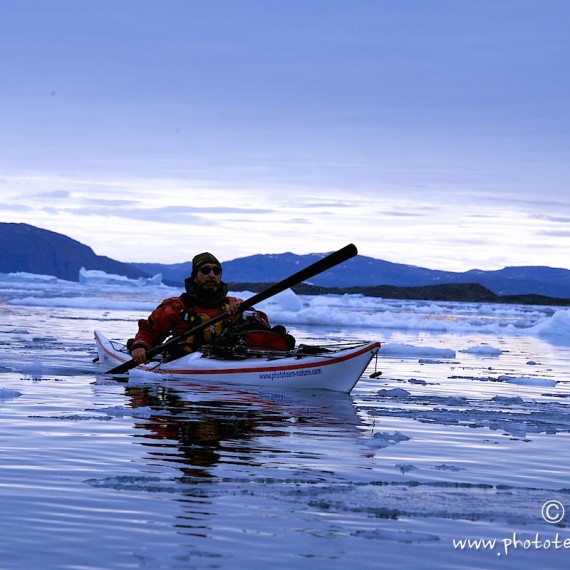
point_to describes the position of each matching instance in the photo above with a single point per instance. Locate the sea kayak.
(335, 367)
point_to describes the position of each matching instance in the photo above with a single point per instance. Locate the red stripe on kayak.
(324, 362)
(112, 353)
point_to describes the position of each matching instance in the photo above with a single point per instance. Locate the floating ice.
(558, 324)
(483, 350)
(508, 399)
(410, 351)
(406, 537)
(405, 467)
(394, 393)
(384, 439)
(97, 277)
(120, 411)
(286, 301)
(527, 381)
(8, 394)
(136, 483)
(33, 368)
(455, 401)
(23, 277)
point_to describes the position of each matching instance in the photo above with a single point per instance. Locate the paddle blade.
(319, 266)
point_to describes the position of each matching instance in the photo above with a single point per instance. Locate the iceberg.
(558, 324)
(98, 277)
(24, 277)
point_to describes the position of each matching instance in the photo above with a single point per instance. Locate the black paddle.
(314, 269)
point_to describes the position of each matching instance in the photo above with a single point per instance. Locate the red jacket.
(173, 318)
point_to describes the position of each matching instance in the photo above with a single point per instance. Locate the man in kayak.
(205, 298)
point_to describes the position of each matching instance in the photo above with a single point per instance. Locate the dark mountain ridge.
(30, 249)
(33, 250)
(362, 271)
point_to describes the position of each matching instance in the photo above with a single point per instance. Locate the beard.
(208, 290)
(207, 294)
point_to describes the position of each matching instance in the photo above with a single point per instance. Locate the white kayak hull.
(337, 370)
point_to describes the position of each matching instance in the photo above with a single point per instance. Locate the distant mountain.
(522, 280)
(270, 268)
(173, 274)
(33, 250)
(461, 292)
(362, 271)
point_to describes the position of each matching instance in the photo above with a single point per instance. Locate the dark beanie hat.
(202, 259)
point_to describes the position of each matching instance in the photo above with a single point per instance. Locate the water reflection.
(209, 432)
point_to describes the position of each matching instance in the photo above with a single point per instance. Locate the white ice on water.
(99, 290)
(97, 277)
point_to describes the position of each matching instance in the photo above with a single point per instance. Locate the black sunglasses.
(206, 270)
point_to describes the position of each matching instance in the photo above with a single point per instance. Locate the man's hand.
(233, 309)
(139, 355)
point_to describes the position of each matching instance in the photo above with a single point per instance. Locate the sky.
(432, 133)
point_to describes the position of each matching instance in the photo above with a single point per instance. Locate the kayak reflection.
(216, 431)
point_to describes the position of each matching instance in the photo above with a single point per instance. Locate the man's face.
(208, 277)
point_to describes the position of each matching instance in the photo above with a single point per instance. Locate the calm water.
(98, 474)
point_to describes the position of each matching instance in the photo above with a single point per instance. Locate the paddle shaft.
(319, 266)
